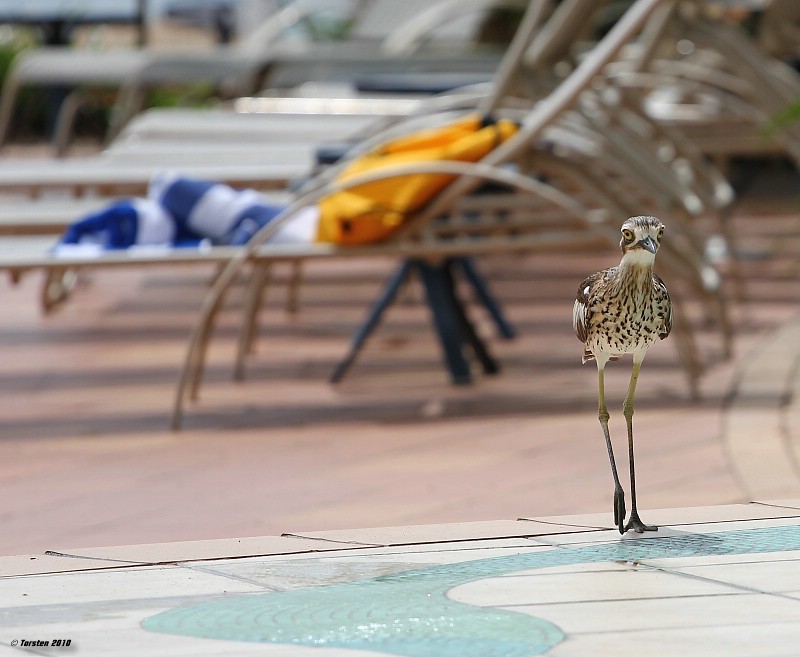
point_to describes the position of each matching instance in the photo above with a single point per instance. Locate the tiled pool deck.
(722, 580)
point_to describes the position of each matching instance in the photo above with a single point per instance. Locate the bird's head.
(641, 237)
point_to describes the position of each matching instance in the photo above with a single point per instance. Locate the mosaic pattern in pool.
(409, 613)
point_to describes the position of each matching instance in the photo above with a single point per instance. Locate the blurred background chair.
(267, 57)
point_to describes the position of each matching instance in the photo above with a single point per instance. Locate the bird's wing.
(662, 288)
(580, 311)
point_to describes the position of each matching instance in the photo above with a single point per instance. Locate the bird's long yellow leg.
(635, 522)
(603, 416)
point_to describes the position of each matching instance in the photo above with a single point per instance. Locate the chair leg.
(198, 363)
(130, 101)
(293, 287)
(486, 297)
(374, 316)
(8, 100)
(65, 121)
(192, 369)
(56, 287)
(253, 302)
(687, 350)
(734, 257)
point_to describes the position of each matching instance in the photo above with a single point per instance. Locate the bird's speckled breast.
(629, 316)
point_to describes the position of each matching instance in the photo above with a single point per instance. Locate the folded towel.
(131, 222)
(212, 210)
(180, 212)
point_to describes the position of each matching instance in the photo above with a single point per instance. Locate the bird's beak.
(649, 244)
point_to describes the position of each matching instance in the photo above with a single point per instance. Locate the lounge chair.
(568, 206)
(244, 149)
(722, 88)
(236, 70)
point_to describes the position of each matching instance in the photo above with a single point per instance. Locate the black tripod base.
(448, 312)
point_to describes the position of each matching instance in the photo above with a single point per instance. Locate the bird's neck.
(636, 270)
(638, 258)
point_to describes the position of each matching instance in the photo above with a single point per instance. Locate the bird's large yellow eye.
(627, 234)
(661, 232)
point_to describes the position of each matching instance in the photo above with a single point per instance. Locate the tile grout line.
(739, 587)
(67, 555)
(236, 578)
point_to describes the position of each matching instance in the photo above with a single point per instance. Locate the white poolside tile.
(764, 576)
(118, 584)
(598, 537)
(687, 515)
(756, 523)
(38, 564)
(743, 640)
(577, 587)
(605, 537)
(158, 553)
(431, 553)
(612, 536)
(449, 532)
(499, 545)
(791, 503)
(453, 546)
(455, 555)
(665, 613)
(574, 568)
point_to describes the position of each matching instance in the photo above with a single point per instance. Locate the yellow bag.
(370, 213)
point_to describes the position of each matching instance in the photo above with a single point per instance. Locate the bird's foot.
(619, 509)
(635, 523)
